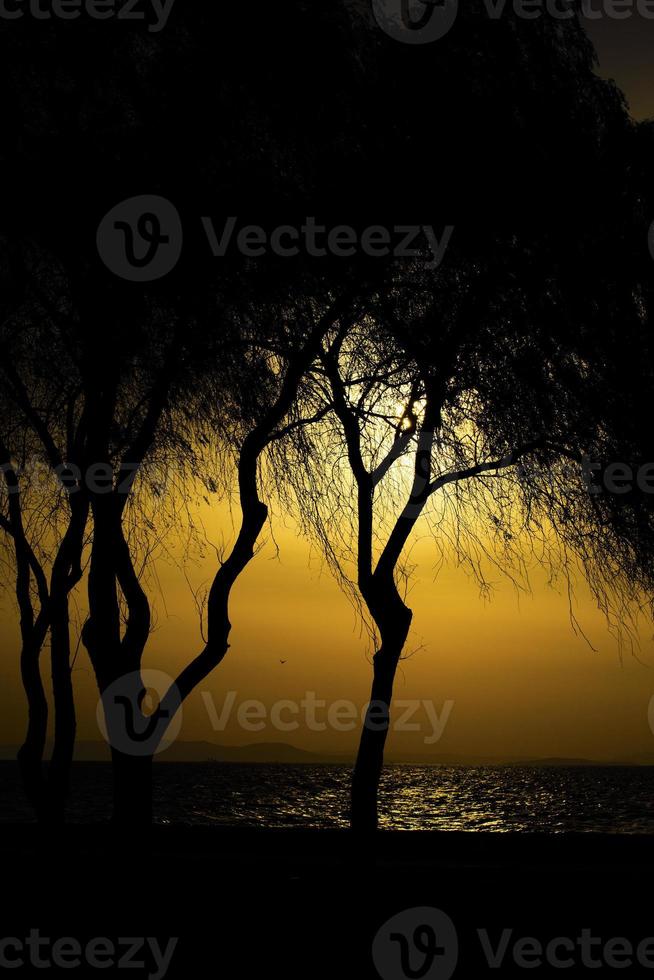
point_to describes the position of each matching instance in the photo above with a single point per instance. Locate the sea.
(503, 799)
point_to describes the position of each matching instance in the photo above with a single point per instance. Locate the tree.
(40, 422)
(470, 375)
(113, 113)
(269, 355)
(337, 126)
(468, 389)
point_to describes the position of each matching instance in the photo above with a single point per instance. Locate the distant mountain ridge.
(282, 752)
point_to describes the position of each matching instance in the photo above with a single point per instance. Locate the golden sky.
(519, 680)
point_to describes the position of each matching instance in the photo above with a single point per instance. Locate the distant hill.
(279, 752)
(282, 752)
(563, 761)
(273, 752)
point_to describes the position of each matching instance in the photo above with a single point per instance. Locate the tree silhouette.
(478, 373)
(471, 388)
(255, 359)
(40, 424)
(116, 113)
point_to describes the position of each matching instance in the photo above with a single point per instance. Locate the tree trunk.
(30, 754)
(370, 757)
(65, 717)
(393, 620)
(132, 789)
(33, 631)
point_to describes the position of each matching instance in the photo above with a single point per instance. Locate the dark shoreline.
(308, 904)
(404, 852)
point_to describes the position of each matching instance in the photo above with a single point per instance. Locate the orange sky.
(520, 682)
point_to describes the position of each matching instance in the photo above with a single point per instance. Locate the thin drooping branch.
(493, 465)
(420, 489)
(254, 511)
(362, 477)
(145, 436)
(20, 396)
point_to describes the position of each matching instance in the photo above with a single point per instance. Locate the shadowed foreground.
(245, 903)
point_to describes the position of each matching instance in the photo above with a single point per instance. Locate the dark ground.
(249, 904)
